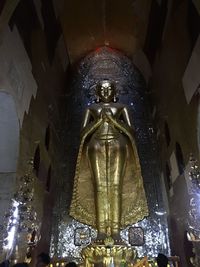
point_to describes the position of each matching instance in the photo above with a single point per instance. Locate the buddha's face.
(106, 92)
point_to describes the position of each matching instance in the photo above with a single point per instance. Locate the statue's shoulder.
(119, 106)
(125, 106)
(94, 108)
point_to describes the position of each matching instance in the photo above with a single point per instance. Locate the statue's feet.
(100, 237)
(117, 238)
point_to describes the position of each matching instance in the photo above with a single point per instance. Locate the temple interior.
(100, 132)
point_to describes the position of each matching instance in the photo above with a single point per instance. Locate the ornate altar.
(108, 254)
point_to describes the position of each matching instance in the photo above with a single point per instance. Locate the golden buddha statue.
(108, 187)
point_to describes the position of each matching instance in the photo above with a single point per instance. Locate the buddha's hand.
(106, 114)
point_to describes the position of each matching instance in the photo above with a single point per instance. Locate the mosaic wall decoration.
(106, 63)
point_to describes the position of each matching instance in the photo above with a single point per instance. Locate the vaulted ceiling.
(93, 23)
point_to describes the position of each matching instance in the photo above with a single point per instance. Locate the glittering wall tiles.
(106, 63)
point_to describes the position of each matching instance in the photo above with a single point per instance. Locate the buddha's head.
(106, 91)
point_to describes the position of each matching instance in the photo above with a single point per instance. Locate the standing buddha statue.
(108, 186)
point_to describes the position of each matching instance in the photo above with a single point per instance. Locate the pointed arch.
(179, 158)
(36, 161)
(48, 180)
(47, 137)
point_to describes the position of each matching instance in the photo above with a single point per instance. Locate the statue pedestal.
(108, 253)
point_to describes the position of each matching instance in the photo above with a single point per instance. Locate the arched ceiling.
(90, 24)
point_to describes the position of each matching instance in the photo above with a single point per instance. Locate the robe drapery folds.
(133, 200)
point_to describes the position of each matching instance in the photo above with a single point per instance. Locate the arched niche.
(109, 64)
(179, 158)
(9, 134)
(48, 180)
(36, 161)
(47, 137)
(168, 175)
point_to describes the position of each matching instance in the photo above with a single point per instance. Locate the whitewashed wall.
(16, 76)
(17, 86)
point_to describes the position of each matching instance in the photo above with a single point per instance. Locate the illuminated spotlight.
(11, 233)
(160, 213)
